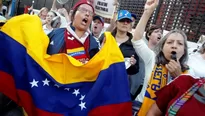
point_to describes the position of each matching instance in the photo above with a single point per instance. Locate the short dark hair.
(54, 13)
(151, 29)
(202, 48)
(73, 13)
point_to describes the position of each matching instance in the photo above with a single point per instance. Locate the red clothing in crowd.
(170, 93)
(26, 9)
(75, 48)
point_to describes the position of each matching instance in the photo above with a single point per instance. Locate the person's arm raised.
(149, 7)
(112, 21)
(54, 8)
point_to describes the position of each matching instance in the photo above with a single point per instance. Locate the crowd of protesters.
(79, 33)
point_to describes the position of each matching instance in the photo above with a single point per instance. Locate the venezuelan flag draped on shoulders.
(59, 85)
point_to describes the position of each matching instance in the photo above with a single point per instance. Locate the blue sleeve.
(56, 41)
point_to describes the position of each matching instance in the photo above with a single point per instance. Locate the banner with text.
(104, 8)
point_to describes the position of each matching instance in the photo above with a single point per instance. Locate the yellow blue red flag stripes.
(59, 85)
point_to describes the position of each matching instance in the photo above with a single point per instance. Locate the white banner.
(104, 8)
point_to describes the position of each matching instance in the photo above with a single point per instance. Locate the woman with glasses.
(75, 40)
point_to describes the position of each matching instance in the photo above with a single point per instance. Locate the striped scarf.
(175, 107)
(159, 78)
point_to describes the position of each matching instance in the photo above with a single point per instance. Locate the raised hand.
(133, 60)
(150, 5)
(174, 68)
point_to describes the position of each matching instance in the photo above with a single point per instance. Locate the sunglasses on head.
(125, 20)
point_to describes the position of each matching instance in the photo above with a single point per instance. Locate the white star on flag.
(57, 86)
(52, 43)
(82, 97)
(46, 82)
(76, 92)
(67, 89)
(82, 105)
(34, 83)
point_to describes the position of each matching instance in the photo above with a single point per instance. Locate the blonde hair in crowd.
(42, 9)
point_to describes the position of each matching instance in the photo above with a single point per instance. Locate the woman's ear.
(148, 35)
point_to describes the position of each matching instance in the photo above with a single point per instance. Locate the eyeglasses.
(84, 10)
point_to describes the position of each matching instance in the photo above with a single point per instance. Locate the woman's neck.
(48, 26)
(151, 46)
(79, 33)
(96, 35)
(121, 35)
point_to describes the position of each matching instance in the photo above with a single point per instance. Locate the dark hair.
(160, 58)
(202, 48)
(30, 11)
(56, 22)
(4, 12)
(73, 13)
(54, 13)
(151, 29)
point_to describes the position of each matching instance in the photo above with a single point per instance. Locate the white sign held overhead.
(104, 8)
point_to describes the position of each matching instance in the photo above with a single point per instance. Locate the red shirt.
(26, 9)
(75, 48)
(170, 93)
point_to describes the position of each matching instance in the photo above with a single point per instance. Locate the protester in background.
(161, 62)
(42, 14)
(123, 38)
(134, 18)
(97, 27)
(153, 35)
(75, 40)
(197, 62)
(48, 27)
(183, 97)
(112, 24)
(65, 17)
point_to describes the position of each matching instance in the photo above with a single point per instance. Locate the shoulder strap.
(175, 107)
